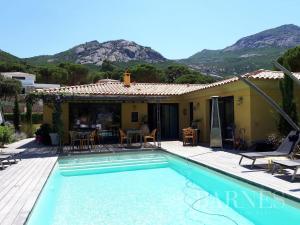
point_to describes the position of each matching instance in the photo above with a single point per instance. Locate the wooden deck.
(21, 183)
(228, 162)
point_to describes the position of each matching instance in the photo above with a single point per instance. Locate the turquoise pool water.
(153, 189)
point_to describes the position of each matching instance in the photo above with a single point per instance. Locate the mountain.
(247, 54)
(95, 53)
(6, 57)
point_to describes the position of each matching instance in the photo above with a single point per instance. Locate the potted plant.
(54, 136)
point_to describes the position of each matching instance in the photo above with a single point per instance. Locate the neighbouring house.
(28, 81)
(28, 85)
(126, 105)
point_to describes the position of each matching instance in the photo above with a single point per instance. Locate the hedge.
(37, 118)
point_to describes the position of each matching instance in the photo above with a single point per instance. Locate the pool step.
(105, 160)
(111, 165)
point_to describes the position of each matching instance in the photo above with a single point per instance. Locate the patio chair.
(92, 137)
(151, 136)
(84, 142)
(284, 149)
(290, 163)
(123, 136)
(188, 136)
(74, 139)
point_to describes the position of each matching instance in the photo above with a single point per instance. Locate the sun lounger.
(291, 164)
(285, 149)
(4, 157)
(15, 153)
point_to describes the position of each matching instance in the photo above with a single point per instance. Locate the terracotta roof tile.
(154, 89)
(118, 88)
(256, 75)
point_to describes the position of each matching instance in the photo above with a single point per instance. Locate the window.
(19, 78)
(134, 117)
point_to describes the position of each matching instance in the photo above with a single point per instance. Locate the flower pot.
(39, 139)
(54, 138)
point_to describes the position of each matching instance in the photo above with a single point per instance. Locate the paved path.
(229, 162)
(21, 183)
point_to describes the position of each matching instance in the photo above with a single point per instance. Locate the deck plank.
(21, 183)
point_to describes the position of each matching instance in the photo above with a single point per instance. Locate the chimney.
(126, 79)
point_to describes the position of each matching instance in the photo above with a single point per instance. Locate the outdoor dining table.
(134, 133)
(84, 135)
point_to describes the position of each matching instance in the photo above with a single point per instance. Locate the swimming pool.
(153, 188)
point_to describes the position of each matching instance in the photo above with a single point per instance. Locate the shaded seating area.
(285, 149)
(83, 140)
(137, 136)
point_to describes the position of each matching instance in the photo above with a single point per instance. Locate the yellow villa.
(114, 105)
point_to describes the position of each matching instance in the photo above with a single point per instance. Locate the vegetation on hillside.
(66, 73)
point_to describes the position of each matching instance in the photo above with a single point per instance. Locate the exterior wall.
(47, 118)
(47, 113)
(264, 119)
(242, 112)
(127, 109)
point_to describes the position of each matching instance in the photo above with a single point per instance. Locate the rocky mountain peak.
(284, 36)
(121, 50)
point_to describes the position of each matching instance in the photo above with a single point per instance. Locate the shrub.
(275, 140)
(37, 118)
(43, 133)
(6, 134)
(16, 114)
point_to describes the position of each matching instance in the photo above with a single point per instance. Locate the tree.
(175, 71)
(290, 60)
(146, 73)
(16, 112)
(193, 78)
(107, 66)
(28, 117)
(9, 87)
(77, 74)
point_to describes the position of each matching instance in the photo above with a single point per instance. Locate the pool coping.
(280, 193)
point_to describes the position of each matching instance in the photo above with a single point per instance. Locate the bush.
(37, 118)
(43, 134)
(6, 134)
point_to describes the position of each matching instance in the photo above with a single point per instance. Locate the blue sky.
(175, 28)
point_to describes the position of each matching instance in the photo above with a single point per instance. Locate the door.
(169, 120)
